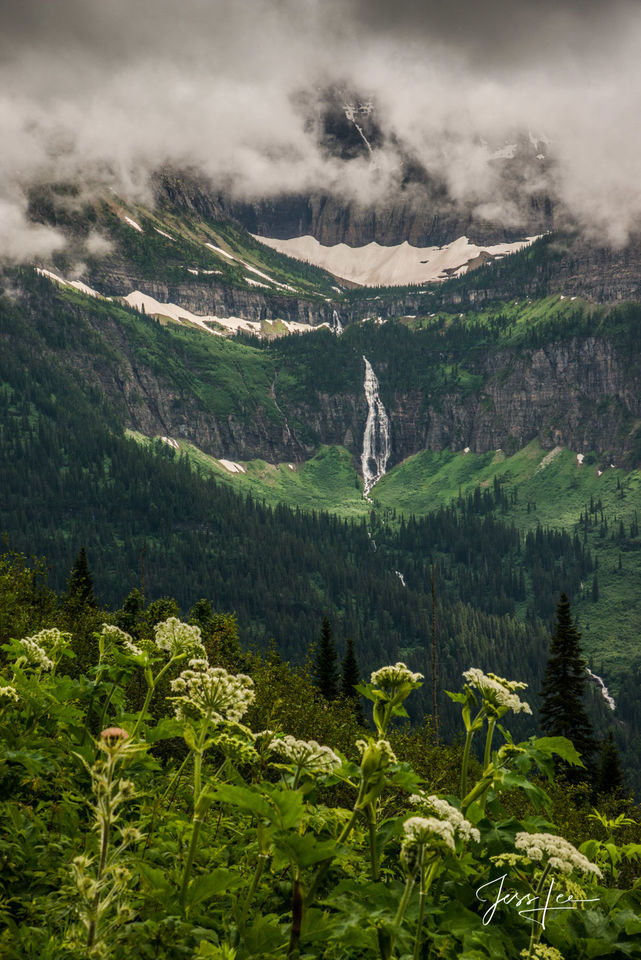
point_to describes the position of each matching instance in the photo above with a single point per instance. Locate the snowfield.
(375, 265)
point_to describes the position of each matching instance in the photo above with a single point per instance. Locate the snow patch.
(132, 223)
(376, 265)
(400, 577)
(580, 457)
(232, 466)
(163, 234)
(76, 284)
(170, 442)
(466, 449)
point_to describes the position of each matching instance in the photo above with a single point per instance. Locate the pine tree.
(562, 712)
(609, 779)
(80, 583)
(351, 676)
(325, 669)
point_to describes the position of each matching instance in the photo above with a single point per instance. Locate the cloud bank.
(103, 93)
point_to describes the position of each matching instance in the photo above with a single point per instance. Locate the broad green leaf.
(211, 884)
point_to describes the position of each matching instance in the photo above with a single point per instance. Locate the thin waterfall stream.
(377, 436)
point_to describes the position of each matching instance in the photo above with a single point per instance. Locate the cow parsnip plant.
(232, 849)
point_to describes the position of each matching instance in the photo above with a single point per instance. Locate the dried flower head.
(497, 693)
(306, 754)
(557, 851)
(210, 692)
(177, 638)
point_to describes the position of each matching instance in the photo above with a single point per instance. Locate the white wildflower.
(175, 638)
(541, 951)
(112, 637)
(381, 750)
(34, 654)
(205, 691)
(558, 851)
(307, 754)
(447, 813)
(498, 692)
(9, 692)
(395, 676)
(429, 831)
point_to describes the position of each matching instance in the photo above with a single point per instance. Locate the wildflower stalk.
(426, 882)
(371, 823)
(487, 758)
(536, 931)
(152, 683)
(104, 846)
(405, 899)
(198, 810)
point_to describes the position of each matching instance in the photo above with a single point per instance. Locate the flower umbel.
(394, 676)
(430, 832)
(203, 691)
(306, 754)
(497, 693)
(177, 638)
(558, 852)
(448, 814)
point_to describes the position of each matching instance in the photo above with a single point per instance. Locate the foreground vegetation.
(164, 795)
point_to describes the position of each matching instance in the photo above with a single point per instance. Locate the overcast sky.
(104, 92)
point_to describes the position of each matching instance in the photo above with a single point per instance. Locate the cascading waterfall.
(604, 690)
(376, 439)
(336, 326)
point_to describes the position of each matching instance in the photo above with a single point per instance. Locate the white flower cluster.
(496, 690)
(205, 691)
(449, 814)
(34, 654)
(558, 852)
(175, 638)
(9, 692)
(429, 831)
(541, 951)
(394, 676)
(113, 636)
(307, 754)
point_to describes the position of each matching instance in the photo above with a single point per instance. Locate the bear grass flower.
(558, 852)
(306, 754)
(202, 691)
(497, 692)
(447, 813)
(176, 638)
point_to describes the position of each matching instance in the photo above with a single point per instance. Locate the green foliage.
(325, 667)
(240, 848)
(562, 712)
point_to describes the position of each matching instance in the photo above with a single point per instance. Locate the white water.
(376, 439)
(336, 325)
(604, 690)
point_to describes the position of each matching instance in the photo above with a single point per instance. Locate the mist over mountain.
(498, 123)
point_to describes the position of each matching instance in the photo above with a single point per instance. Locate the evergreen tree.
(609, 779)
(595, 588)
(351, 676)
(80, 583)
(563, 713)
(325, 669)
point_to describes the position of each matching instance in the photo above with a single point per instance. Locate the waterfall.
(376, 439)
(336, 326)
(604, 690)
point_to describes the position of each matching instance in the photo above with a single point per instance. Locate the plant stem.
(488, 744)
(535, 933)
(325, 864)
(466, 761)
(426, 881)
(105, 804)
(371, 823)
(405, 899)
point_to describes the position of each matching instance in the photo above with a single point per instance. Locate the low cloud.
(104, 93)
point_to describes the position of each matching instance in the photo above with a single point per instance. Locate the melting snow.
(400, 577)
(233, 467)
(163, 234)
(580, 457)
(256, 283)
(170, 442)
(132, 223)
(153, 307)
(376, 265)
(76, 284)
(220, 250)
(549, 457)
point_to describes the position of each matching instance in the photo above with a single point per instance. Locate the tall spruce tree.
(80, 583)
(563, 713)
(325, 668)
(350, 677)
